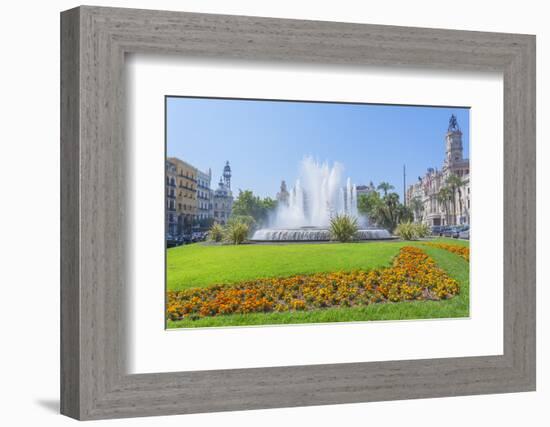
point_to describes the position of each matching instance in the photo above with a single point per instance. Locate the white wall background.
(29, 213)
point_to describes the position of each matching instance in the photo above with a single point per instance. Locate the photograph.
(292, 212)
(259, 214)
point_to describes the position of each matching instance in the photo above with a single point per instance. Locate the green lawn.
(201, 265)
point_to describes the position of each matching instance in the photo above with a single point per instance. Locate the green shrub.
(343, 228)
(410, 231)
(235, 232)
(423, 230)
(407, 231)
(216, 232)
(244, 219)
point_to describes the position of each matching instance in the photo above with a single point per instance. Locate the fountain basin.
(313, 234)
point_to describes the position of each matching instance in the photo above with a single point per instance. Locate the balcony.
(185, 187)
(187, 177)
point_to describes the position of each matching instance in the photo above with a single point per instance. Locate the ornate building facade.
(365, 189)
(442, 197)
(190, 198)
(222, 198)
(171, 213)
(186, 194)
(283, 195)
(204, 195)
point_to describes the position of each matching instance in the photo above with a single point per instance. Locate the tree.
(386, 211)
(417, 207)
(385, 187)
(454, 183)
(366, 203)
(269, 204)
(390, 212)
(404, 213)
(444, 198)
(247, 204)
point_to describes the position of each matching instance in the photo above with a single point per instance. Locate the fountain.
(316, 197)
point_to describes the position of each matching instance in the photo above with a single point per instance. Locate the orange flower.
(463, 251)
(413, 275)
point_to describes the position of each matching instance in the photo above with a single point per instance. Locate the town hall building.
(444, 200)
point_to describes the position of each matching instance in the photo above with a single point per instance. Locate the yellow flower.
(412, 275)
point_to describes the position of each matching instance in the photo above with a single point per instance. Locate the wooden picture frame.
(94, 382)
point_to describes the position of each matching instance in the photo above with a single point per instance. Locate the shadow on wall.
(51, 405)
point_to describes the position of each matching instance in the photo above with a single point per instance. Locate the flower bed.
(412, 276)
(463, 251)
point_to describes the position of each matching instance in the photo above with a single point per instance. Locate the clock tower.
(453, 144)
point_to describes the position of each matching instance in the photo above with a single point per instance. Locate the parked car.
(175, 240)
(445, 231)
(436, 229)
(464, 233)
(186, 238)
(459, 229)
(198, 236)
(171, 241)
(451, 231)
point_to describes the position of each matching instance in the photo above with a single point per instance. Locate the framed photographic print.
(250, 249)
(262, 213)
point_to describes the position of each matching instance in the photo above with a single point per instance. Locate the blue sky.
(265, 141)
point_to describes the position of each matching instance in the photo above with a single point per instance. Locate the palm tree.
(386, 213)
(454, 183)
(444, 197)
(385, 187)
(418, 207)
